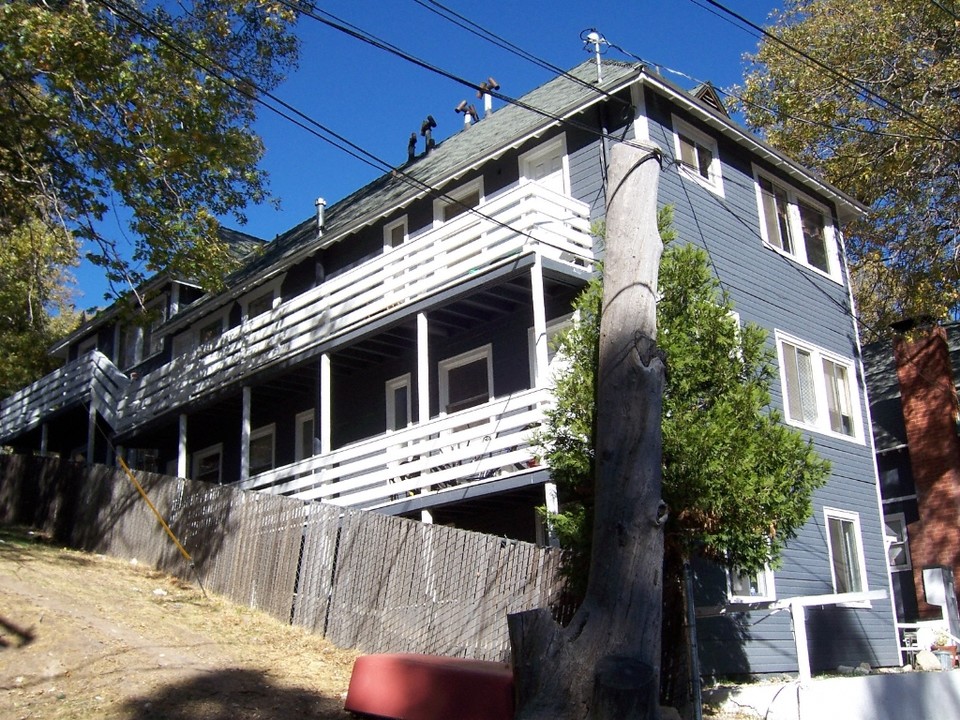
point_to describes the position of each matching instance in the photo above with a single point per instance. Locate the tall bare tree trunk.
(605, 664)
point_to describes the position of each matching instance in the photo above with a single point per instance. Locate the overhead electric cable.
(878, 98)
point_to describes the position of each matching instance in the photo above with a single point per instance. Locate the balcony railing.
(91, 379)
(479, 445)
(526, 218)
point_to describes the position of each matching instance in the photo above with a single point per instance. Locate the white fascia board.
(848, 208)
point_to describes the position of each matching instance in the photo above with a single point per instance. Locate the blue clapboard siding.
(777, 293)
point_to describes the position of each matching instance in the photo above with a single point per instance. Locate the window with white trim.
(399, 403)
(458, 201)
(895, 538)
(819, 389)
(262, 449)
(466, 380)
(208, 464)
(797, 226)
(750, 587)
(395, 234)
(209, 331)
(258, 304)
(305, 424)
(845, 547)
(697, 156)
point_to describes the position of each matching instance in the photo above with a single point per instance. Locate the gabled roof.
(509, 127)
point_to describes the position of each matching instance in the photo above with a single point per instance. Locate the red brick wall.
(930, 415)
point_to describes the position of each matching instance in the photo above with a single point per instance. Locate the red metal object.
(430, 687)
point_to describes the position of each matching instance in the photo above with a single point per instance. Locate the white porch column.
(423, 384)
(798, 613)
(44, 439)
(326, 443)
(245, 436)
(423, 368)
(540, 355)
(182, 447)
(91, 433)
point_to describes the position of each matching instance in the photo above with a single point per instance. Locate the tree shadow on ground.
(233, 694)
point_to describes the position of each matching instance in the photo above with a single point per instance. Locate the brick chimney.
(929, 399)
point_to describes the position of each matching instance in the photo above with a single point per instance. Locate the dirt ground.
(84, 636)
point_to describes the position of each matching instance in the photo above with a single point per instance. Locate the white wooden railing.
(526, 218)
(475, 446)
(91, 378)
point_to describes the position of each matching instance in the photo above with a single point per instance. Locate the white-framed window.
(895, 538)
(129, 337)
(554, 363)
(151, 342)
(208, 464)
(259, 301)
(697, 156)
(395, 233)
(547, 165)
(466, 380)
(845, 547)
(797, 226)
(306, 432)
(750, 587)
(262, 449)
(458, 201)
(820, 389)
(399, 403)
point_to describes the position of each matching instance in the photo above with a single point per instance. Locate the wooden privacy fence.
(361, 579)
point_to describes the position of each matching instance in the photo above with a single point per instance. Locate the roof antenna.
(593, 40)
(485, 88)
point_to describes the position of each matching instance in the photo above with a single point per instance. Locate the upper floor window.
(466, 380)
(208, 464)
(845, 548)
(258, 305)
(697, 155)
(819, 389)
(458, 201)
(210, 330)
(546, 165)
(395, 234)
(797, 226)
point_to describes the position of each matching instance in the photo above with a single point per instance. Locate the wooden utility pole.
(605, 664)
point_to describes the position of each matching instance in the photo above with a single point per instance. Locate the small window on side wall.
(845, 547)
(697, 156)
(895, 537)
(395, 233)
(750, 587)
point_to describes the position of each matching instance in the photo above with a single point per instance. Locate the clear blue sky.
(376, 100)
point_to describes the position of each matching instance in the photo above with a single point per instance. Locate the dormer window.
(697, 156)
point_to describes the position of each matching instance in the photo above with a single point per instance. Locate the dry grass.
(84, 636)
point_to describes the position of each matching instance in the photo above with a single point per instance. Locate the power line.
(877, 97)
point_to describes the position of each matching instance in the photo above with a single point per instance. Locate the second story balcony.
(523, 220)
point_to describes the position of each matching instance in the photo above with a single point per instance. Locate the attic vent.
(707, 94)
(469, 112)
(484, 93)
(426, 129)
(321, 204)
